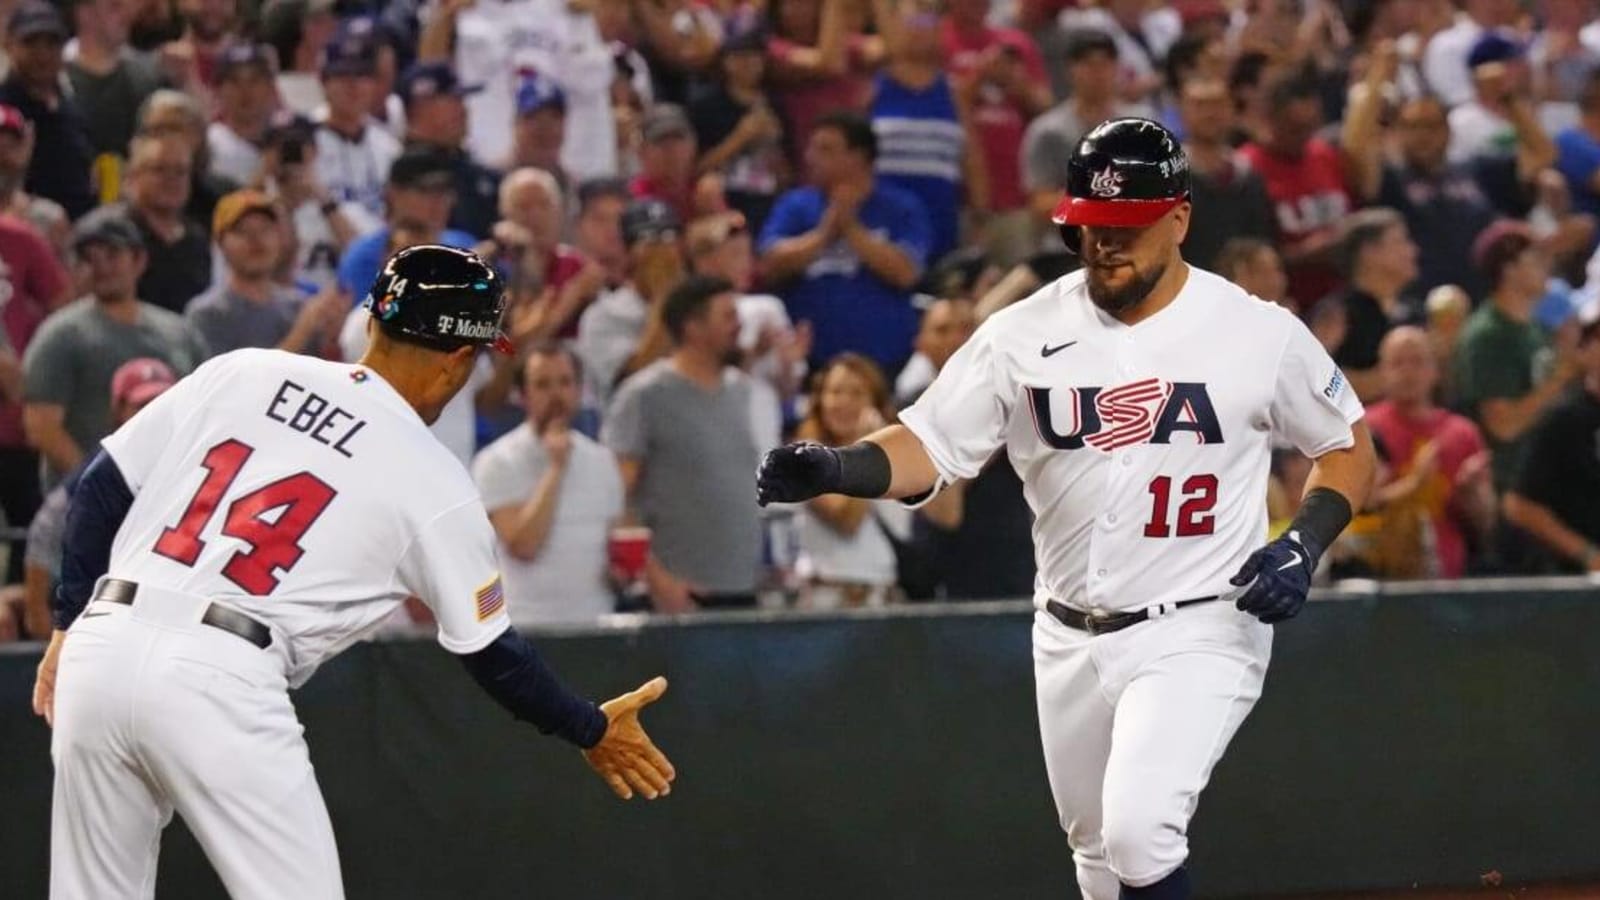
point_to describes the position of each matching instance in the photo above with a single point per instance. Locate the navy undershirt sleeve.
(511, 671)
(94, 514)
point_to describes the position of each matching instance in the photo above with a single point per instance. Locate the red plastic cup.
(628, 549)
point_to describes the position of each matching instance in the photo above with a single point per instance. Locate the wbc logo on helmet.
(1106, 183)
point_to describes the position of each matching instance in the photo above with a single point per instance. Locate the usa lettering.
(312, 415)
(1149, 411)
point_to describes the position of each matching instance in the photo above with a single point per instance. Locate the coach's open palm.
(626, 758)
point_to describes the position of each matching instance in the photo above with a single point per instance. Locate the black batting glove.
(1281, 572)
(795, 473)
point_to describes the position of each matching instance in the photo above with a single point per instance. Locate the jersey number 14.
(273, 545)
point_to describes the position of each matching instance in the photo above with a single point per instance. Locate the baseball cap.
(238, 204)
(1493, 47)
(665, 120)
(432, 79)
(424, 169)
(536, 92)
(351, 52)
(236, 57)
(36, 17)
(12, 120)
(141, 380)
(649, 219)
(107, 225)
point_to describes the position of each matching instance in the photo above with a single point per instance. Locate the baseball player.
(1137, 399)
(253, 521)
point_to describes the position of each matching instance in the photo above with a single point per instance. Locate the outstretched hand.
(626, 757)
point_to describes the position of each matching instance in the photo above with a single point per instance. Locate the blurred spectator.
(946, 325)
(552, 495)
(1253, 264)
(1578, 150)
(133, 386)
(667, 165)
(168, 113)
(681, 432)
(109, 78)
(622, 330)
(540, 130)
(1448, 307)
(298, 31)
(69, 365)
(1444, 62)
(1143, 32)
(550, 283)
(847, 249)
(246, 97)
(60, 168)
(34, 285)
(248, 308)
(1504, 372)
(209, 28)
(16, 152)
(1439, 502)
(820, 63)
(436, 117)
(1305, 178)
(1002, 71)
(1230, 200)
(772, 350)
(1553, 495)
(847, 545)
(926, 146)
(353, 152)
(1562, 60)
(739, 132)
(1500, 116)
(319, 227)
(176, 255)
(418, 200)
(1051, 138)
(597, 232)
(1378, 260)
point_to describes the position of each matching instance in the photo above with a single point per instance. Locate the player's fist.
(1281, 572)
(797, 472)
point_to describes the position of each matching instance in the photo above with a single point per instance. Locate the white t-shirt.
(457, 425)
(1475, 130)
(231, 155)
(356, 171)
(566, 582)
(268, 480)
(1143, 450)
(1444, 61)
(760, 313)
(865, 557)
(608, 333)
(494, 41)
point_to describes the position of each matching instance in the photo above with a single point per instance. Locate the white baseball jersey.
(356, 171)
(1143, 450)
(309, 495)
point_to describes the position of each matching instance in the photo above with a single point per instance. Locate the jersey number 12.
(1194, 515)
(274, 545)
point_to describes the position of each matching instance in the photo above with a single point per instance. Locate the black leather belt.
(115, 590)
(1105, 623)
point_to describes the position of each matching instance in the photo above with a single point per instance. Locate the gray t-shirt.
(110, 102)
(566, 582)
(697, 460)
(1051, 138)
(70, 361)
(229, 321)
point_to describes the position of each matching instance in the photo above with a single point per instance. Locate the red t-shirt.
(565, 264)
(681, 201)
(30, 277)
(1458, 440)
(998, 120)
(1308, 195)
(802, 103)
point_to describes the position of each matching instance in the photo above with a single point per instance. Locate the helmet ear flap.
(1072, 237)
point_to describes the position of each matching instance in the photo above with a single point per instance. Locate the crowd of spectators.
(726, 223)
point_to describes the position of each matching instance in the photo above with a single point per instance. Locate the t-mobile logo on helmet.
(1106, 183)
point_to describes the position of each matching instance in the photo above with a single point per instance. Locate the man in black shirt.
(1230, 199)
(1379, 260)
(61, 158)
(436, 116)
(1556, 494)
(178, 249)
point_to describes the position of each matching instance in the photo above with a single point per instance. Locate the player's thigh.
(1075, 718)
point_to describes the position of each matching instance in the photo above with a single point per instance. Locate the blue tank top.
(920, 143)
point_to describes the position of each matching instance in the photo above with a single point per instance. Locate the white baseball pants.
(1132, 723)
(157, 713)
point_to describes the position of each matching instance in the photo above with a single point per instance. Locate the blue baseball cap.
(1494, 47)
(536, 92)
(351, 52)
(432, 79)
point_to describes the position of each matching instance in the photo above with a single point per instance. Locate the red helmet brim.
(1112, 213)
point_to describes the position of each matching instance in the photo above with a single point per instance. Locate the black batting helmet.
(1125, 173)
(441, 298)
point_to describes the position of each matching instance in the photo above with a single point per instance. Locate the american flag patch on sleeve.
(491, 599)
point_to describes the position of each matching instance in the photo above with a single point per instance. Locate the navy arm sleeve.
(95, 513)
(511, 671)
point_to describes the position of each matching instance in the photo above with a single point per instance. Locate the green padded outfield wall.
(1402, 740)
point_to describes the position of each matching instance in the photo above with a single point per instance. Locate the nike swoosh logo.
(1048, 351)
(1292, 562)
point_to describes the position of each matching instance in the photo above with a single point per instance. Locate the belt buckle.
(1094, 620)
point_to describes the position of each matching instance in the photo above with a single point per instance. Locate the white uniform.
(1143, 452)
(265, 482)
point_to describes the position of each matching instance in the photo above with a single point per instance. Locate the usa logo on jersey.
(1149, 411)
